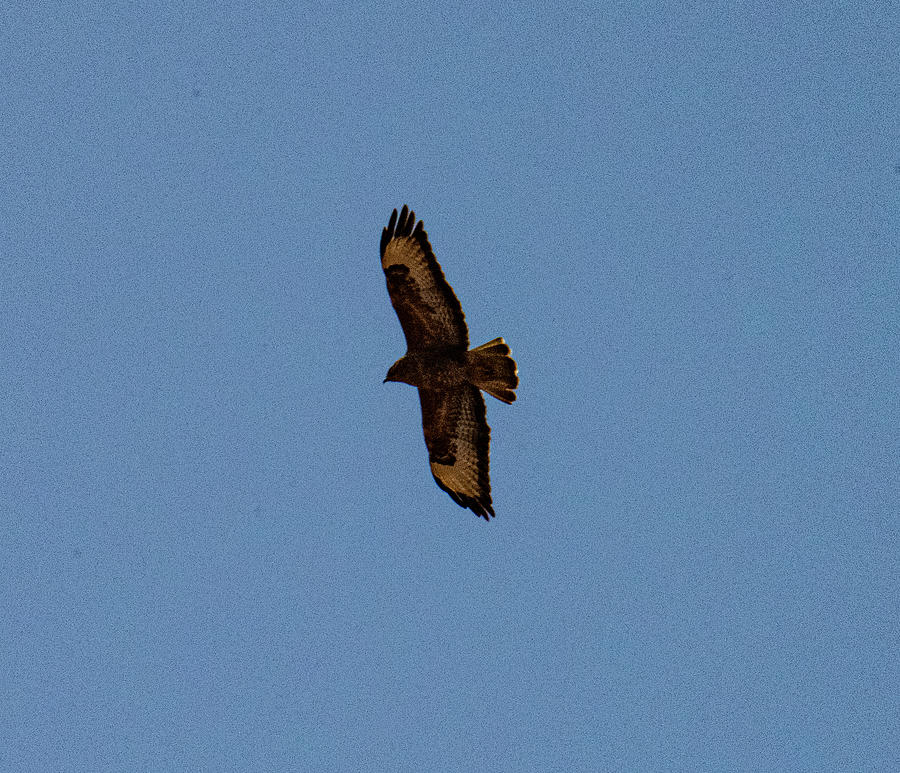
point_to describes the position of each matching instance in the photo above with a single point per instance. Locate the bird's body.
(439, 362)
(434, 369)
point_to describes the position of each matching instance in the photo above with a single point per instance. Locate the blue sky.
(222, 548)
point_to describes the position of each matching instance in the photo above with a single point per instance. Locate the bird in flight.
(438, 361)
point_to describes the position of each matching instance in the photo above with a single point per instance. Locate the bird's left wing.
(458, 439)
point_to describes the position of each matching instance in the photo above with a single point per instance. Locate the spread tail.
(493, 370)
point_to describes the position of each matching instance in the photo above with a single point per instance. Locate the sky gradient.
(222, 548)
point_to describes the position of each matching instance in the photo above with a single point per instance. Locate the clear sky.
(221, 547)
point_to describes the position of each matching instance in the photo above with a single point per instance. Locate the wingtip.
(402, 224)
(481, 508)
(387, 233)
(406, 221)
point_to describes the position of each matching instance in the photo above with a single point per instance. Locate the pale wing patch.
(404, 251)
(460, 478)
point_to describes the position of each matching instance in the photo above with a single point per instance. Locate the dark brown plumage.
(438, 361)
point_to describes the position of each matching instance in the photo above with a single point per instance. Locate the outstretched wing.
(458, 439)
(429, 312)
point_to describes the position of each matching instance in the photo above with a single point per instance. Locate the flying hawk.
(439, 363)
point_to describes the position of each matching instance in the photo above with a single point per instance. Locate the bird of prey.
(438, 361)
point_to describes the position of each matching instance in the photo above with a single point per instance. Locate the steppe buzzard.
(438, 361)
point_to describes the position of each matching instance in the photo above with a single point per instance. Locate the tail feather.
(492, 369)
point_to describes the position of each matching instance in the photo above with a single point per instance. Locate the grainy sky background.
(221, 546)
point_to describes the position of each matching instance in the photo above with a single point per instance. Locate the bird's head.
(403, 370)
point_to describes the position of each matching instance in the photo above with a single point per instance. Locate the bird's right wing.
(429, 311)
